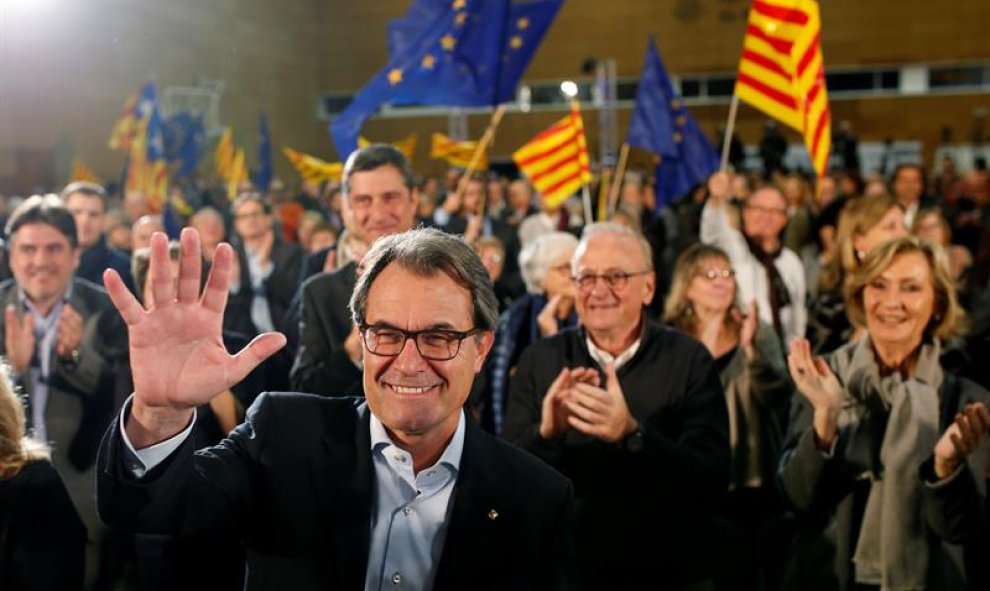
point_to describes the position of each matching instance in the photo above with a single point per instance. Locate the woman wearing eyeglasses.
(703, 303)
(545, 308)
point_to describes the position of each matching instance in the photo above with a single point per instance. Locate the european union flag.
(185, 138)
(459, 53)
(661, 124)
(263, 176)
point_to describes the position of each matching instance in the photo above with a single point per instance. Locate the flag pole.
(478, 152)
(729, 129)
(620, 171)
(586, 198)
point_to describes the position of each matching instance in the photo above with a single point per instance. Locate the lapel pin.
(493, 514)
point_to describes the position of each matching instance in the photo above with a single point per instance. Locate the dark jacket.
(296, 482)
(98, 258)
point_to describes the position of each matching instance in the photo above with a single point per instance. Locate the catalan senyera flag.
(238, 173)
(81, 172)
(782, 72)
(223, 154)
(313, 169)
(407, 145)
(456, 153)
(556, 160)
(131, 119)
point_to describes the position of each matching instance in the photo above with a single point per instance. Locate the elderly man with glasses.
(398, 490)
(634, 414)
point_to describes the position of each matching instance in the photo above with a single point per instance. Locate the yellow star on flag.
(448, 42)
(678, 138)
(523, 23)
(428, 61)
(458, 4)
(395, 76)
(460, 18)
(675, 104)
(681, 120)
(516, 42)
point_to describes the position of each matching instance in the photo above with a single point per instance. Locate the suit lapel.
(342, 476)
(477, 515)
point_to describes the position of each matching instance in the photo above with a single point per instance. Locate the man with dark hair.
(88, 204)
(908, 185)
(379, 199)
(399, 490)
(66, 348)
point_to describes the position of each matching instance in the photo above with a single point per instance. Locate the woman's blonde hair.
(16, 449)
(857, 218)
(948, 318)
(678, 311)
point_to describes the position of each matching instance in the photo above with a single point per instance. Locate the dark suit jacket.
(645, 511)
(321, 364)
(511, 279)
(100, 257)
(296, 481)
(41, 535)
(287, 260)
(81, 396)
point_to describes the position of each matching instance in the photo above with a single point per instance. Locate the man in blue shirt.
(395, 491)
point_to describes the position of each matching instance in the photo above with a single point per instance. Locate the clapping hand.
(601, 412)
(819, 385)
(178, 359)
(961, 438)
(555, 412)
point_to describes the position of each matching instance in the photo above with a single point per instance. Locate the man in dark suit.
(379, 198)
(634, 414)
(397, 490)
(66, 348)
(88, 204)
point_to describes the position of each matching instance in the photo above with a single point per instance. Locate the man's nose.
(409, 358)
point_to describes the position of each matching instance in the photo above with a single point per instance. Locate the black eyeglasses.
(613, 279)
(436, 344)
(713, 274)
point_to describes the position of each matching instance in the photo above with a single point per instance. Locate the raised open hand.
(818, 384)
(961, 438)
(178, 359)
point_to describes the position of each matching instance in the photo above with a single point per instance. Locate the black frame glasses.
(435, 344)
(612, 279)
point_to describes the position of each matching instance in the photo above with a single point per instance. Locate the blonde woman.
(42, 538)
(864, 224)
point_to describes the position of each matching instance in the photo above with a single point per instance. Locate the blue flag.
(459, 53)
(263, 176)
(661, 124)
(185, 138)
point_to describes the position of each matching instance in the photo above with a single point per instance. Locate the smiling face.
(765, 214)
(612, 313)
(379, 203)
(43, 262)
(712, 287)
(900, 302)
(90, 216)
(411, 395)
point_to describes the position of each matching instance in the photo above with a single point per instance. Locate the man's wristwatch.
(72, 357)
(634, 441)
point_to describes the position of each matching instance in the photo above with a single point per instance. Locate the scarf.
(892, 550)
(779, 295)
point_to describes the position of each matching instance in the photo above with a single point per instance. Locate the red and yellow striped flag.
(223, 155)
(81, 172)
(456, 153)
(406, 145)
(312, 169)
(237, 174)
(782, 72)
(556, 160)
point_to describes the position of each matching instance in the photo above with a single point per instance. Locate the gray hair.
(535, 259)
(596, 228)
(426, 252)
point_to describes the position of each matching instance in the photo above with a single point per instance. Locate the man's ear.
(484, 342)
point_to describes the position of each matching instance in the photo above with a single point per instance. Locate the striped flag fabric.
(556, 160)
(81, 172)
(455, 153)
(406, 145)
(782, 71)
(223, 154)
(238, 173)
(313, 169)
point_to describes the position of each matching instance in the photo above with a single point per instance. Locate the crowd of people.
(771, 383)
